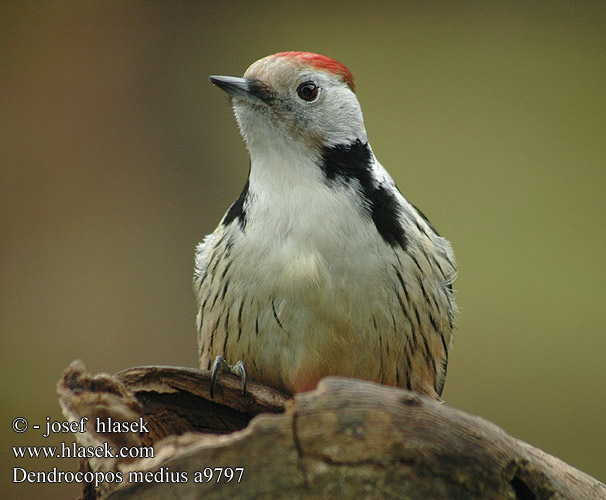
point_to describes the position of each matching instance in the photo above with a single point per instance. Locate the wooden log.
(347, 439)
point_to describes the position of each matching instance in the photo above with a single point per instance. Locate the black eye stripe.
(307, 91)
(260, 90)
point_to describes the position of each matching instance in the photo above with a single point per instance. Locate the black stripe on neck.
(237, 210)
(345, 163)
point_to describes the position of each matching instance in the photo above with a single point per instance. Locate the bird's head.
(295, 98)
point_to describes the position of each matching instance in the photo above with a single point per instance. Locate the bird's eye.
(307, 91)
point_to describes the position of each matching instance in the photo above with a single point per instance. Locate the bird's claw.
(240, 371)
(220, 365)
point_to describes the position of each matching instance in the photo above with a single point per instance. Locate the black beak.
(234, 86)
(252, 91)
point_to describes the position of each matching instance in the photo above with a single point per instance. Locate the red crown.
(321, 62)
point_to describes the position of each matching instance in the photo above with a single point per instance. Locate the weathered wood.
(162, 389)
(347, 439)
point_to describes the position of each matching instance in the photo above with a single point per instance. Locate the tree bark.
(347, 439)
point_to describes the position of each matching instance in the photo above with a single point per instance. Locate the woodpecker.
(321, 266)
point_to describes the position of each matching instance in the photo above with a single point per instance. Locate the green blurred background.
(117, 156)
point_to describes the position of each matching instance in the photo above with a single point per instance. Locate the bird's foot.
(220, 365)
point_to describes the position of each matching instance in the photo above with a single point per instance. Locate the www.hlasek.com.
(104, 451)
